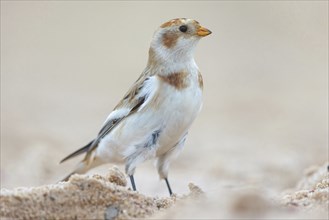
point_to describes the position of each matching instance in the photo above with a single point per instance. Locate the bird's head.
(175, 40)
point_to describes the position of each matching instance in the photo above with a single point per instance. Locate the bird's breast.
(176, 109)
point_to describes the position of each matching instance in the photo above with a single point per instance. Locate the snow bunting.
(153, 118)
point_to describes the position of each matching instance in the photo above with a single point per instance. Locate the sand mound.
(83, 197)
(312, 192)
(107, 197)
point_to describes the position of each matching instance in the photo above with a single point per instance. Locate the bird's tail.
(79, 170)
(90, 161)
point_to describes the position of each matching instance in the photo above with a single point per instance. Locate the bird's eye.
(183, 28)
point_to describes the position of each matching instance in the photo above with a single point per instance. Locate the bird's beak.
(202, 31)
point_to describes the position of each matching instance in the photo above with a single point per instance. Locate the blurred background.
(65, 65)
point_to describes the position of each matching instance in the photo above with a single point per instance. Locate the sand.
(84, 197)
(107, 197)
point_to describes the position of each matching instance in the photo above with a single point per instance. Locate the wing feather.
(131, 103)
(77, 152)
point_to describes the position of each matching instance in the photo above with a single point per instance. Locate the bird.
(153, 118)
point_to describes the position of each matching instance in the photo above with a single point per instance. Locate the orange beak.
(202, 32)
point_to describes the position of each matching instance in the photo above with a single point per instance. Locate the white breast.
(178, 111)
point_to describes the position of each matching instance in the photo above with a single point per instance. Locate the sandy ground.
(106, 197)
(81, 197)
(65, 65)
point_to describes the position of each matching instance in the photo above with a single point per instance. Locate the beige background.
(65, 65)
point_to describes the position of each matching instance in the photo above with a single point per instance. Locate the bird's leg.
(132, 182)
(168, 185)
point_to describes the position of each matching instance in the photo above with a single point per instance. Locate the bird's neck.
(165, 63)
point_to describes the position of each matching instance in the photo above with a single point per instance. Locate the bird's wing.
(134, 100)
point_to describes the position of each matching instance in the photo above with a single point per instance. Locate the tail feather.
(78, 152)
(67, 177)
(80, 169)
(90, 161)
